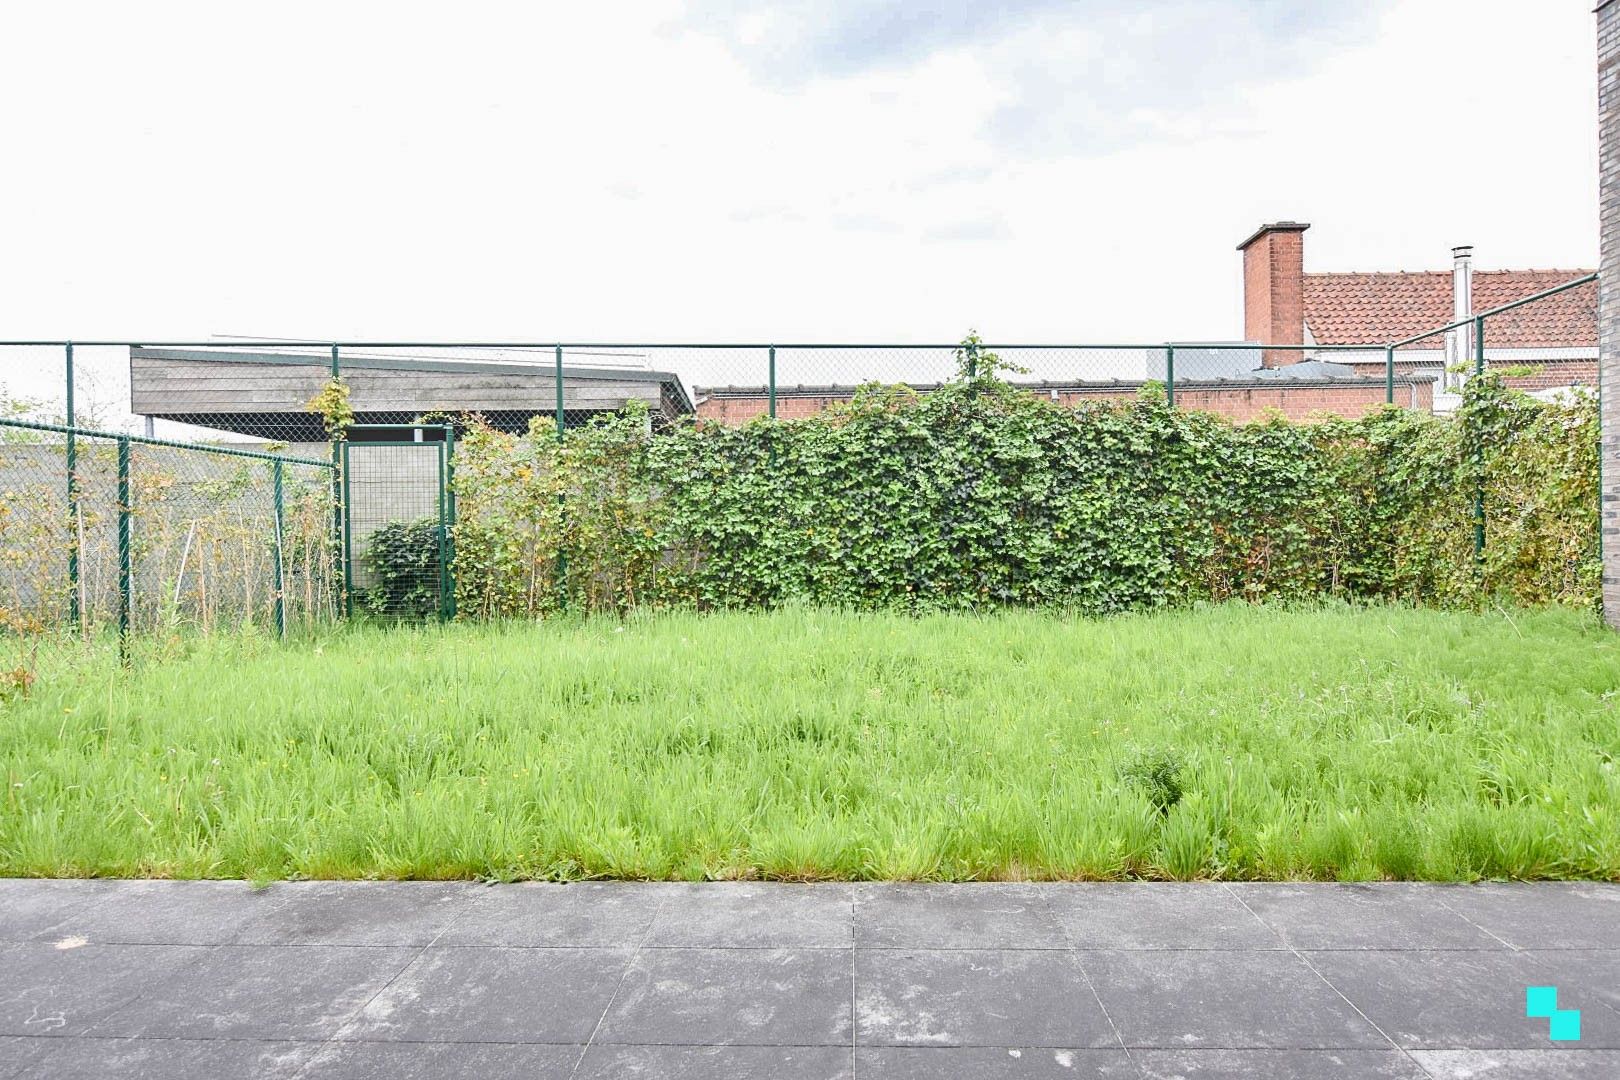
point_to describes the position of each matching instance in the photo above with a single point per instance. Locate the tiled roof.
(1374, 309)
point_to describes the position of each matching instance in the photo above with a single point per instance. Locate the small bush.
(1157, 774)
(15, 684)
(403, 558)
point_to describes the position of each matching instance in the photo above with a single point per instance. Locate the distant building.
(1284, 305)
(265, 394)
(1299, 392)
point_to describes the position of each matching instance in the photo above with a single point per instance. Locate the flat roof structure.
(266, 394)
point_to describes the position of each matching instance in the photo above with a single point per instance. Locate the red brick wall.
(1274, 291)
(740, 410)
(1558, 373)
(1553, 373)
(1241, 403)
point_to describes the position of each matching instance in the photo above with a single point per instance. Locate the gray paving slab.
(1388, 915)
(406, 913)
(1571, 1064)
(1545, 915)
(167, 1059)
(978, 916)
(30, 907)
(45, 990)
(1586, 977)
(969, 997)
(19, 1052)
(166, 913)
(992, 1063)
(603, 1062)
(440, 1061)
(1463, 1000)
(1156, 915)
(762, 997)
(416, 981)
(495, 995)
(1277, 1065)
(251, 992)
(1224, 1000)
(537, 915)
(771, 915)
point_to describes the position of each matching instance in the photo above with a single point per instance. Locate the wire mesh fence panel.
(397, 529)
(217, 541)
(262, 396)
(35, 530)
(93, 532)
(1546, 346)
(98, 530)
(1427, 370)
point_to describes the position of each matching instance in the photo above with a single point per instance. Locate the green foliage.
(335, 409)
(402, 558)
(980, 494)
(1157, 774)
(974, 361)
(544, 524)
(1321, 741)
(15, 683)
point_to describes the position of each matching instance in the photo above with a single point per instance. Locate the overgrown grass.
(1328, 742)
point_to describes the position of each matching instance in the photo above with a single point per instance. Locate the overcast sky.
(766, 169)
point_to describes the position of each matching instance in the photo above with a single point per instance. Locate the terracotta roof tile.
(1372, 309)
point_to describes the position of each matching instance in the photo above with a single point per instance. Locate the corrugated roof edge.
(378, 363)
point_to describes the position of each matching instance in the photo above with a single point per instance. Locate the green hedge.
(981, 494)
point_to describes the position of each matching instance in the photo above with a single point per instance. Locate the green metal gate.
(398, 513)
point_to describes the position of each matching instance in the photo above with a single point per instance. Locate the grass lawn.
(1323, 742)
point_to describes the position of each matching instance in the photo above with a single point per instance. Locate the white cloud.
(619, 171)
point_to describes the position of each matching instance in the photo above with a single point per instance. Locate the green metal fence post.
(281, 604)
(447, 560)
(340, 492)
(443, 538)
(1170, 375)
(772, 370)
(75, 541)
(561, 419)
(1389, 374)
(562, 500)
(345, 539)
(125, 559)
(1479, 454)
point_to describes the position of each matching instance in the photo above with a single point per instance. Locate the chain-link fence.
(398, 525)
(102, 529)
(208, 469)
(262, 394)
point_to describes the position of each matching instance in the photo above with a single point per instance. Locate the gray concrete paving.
(412, 981)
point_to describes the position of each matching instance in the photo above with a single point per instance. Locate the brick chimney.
(1274, 290)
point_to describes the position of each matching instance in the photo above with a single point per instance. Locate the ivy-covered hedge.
(982, 494)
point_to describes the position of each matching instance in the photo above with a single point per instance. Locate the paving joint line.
(1531, 953)
(147, 988)
(1074, 955)
(854, 960)
(624, 976)
(355, 1016)
(1441, 896)
(1407, 1054)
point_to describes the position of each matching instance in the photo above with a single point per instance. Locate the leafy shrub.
(1157, 774)
(403, 560)
(15, 684)
(981, 494)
